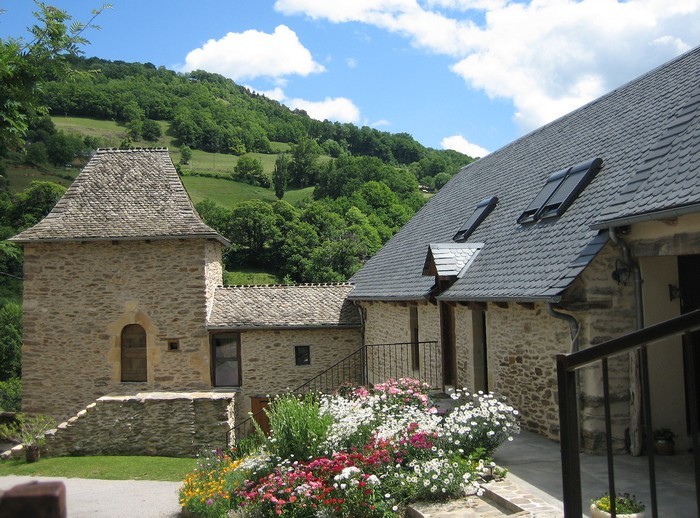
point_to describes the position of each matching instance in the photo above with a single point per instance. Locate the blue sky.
(470, 75)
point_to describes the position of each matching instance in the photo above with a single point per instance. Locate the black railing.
(568, 364)
(367, 365)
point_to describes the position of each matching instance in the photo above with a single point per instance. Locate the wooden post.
(41, 499)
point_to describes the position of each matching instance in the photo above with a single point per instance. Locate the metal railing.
(367, 365)
(568, 364)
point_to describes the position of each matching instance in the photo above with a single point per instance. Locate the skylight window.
(483, 209)
(560, 191)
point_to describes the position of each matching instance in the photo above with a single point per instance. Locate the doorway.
(689, 284)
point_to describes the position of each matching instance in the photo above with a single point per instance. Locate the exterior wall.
(607, 311)
(522, 344)
(268, 363)
(162, 423)
(390, 323)
(79, 296)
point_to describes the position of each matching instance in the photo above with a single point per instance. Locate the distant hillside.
(209, 112)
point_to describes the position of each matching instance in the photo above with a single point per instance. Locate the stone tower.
(118, 280)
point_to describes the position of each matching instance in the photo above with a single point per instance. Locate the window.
(302, 354)
(174, 345)
(483, 209)
(226, 353)
(560, 190)
(134, 363)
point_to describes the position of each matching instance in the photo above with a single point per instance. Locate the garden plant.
(366, 452)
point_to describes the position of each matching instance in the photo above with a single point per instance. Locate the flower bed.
(363, 452)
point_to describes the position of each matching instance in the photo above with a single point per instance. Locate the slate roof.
(538, 261)
(450, 259)
(666, 184)
(123, 194)
(283, 307)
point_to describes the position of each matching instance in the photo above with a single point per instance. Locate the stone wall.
(157, 423)
(79, 296)
(268, 362)
(390, 323)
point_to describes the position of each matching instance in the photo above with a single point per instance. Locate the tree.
(251, 229)
(303, 169)
(35, 202)
(250, 170)
(151, 130)
(24, 65)
(185, 154)
(280, 175)
(10, 341)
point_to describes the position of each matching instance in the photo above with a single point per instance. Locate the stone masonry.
(173, 424)
(80, 295)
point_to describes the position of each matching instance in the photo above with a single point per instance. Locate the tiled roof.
(538, 261)
(450, 259)
(282, 306)
(122, 194)
(667, 182)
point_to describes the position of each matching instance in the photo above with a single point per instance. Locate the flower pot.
(664, 447)
(597, 513)
(32, 453)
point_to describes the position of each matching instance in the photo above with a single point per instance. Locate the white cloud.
(276, 94)
(380, 123)
(251, 54)
(546, 56)
(351, 62)
(459, 143)
(338, 109)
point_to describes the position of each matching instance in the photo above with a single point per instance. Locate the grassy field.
(107, 468)
(249, 276)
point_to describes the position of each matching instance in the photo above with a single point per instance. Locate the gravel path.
(112, 498)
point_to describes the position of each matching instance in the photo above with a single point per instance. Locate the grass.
(228, 193)
(248, 276)
(106, 468)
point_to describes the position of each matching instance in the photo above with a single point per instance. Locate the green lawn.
(107, 468)
(228, 193)
(248, 276)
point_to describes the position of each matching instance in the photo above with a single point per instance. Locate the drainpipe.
(636, 438)
(363, 353)
(573, 324)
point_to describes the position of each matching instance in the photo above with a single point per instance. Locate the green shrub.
(11, 395)
(297, 429)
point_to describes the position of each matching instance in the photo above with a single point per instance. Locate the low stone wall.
(174, 424)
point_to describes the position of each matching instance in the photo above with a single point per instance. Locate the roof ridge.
(128, 150)
(295, 285)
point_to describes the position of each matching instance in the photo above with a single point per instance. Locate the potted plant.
(664, 443)
(626, 506)
(30, 432)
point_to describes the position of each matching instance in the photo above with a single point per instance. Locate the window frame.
(478, 215)
(215, 360)
(299, 355)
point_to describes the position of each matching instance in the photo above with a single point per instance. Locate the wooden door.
(133, 345)
(258, 405)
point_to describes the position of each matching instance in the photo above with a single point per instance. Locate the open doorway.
(689, 284)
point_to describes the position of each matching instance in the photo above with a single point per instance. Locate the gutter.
(610, 224)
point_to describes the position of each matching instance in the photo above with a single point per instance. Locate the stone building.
(583, 230)
(119, 282)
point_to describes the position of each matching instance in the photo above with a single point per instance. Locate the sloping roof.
(123, 194)
(450, 259)
(666, 184)
(282, 306)
(538, 261)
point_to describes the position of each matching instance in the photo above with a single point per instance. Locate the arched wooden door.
(134, 363)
